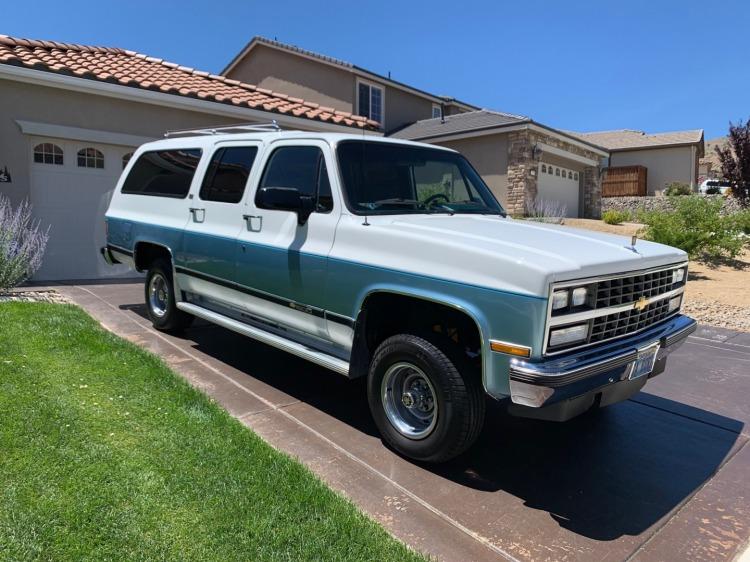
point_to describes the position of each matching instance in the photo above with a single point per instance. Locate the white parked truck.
(392, 260)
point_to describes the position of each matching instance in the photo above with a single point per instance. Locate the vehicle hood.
(516, 255)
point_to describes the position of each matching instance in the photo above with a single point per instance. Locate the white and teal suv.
(392, 260)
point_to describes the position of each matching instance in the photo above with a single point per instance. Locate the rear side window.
(227, 174)
(303, 168)
(163, 173)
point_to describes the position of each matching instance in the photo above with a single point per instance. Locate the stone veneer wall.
(660, 203)
(522, 170)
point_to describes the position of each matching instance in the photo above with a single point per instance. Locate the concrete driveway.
(663, 476)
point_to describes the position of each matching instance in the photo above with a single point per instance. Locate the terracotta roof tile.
(132, 69)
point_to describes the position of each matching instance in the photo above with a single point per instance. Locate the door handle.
(199, 215)
(254, 222)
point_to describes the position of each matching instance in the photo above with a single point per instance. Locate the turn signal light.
(510, 349)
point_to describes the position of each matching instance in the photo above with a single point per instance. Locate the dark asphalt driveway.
(663, 476)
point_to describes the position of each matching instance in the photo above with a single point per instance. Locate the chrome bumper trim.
(538, 384)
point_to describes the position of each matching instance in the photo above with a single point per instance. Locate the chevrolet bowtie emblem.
(640, 304)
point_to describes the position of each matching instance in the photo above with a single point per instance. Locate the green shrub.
(697, 226)
(743, 220)
(678, 188)
(613, 216)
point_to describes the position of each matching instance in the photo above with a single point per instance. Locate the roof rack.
(271, 127)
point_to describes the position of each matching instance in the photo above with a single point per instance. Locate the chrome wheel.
(409, 400)
(158, 295)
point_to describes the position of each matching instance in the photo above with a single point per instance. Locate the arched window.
(90, 158)
(557, 171)
(48, 153)
(570, 175)
(544, 168)
(575, 176)
(126, 158)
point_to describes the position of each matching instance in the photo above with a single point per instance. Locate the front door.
(207, 264)
(283, 261)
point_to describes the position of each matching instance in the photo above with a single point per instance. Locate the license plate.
(645, 362)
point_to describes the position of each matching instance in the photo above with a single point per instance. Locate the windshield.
(382, 178)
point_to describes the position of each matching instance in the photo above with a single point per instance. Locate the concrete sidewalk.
(663, 476)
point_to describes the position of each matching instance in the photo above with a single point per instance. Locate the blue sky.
(650, 65)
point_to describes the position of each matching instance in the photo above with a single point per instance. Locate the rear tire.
(424, 407)
(161, 303)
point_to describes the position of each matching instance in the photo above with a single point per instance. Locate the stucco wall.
(296, 76)
(665, 165)
(324, 84)
(61, 107)
(403, 108)
(489, 155)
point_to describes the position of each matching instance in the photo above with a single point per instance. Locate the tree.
(735, 160)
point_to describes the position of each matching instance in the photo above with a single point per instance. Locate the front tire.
(424, 407)
(160, 299)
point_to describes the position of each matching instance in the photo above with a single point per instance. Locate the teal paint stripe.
(349, 262)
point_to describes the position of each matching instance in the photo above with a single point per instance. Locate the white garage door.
(71, 185)
(556, 183)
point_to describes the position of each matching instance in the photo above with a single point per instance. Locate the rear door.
(285, 263)
(207, 265)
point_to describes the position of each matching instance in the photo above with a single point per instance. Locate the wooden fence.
(625, 181)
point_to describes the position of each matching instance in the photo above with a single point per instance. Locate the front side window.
(227, 174)
(302, 168)
(163, 173)
(48, 153)
(90, 158)
(370, 102)
(385, 178)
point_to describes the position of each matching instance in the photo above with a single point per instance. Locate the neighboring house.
(668, 157)
(72, 116)
(521, 159)
(709, 167)
(337, 84)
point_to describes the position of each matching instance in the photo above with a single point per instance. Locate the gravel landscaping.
(31, 295)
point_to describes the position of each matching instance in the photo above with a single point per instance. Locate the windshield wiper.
(393, 201)
(442, 208)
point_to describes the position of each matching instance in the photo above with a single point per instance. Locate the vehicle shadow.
(603, 475)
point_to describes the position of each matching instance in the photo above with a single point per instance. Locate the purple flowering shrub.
(22, 243)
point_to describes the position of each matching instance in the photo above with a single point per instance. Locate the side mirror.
(287, 199)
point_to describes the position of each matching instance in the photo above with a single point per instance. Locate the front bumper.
(562, 387)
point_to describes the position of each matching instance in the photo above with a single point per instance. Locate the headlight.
(678, 275)
(579, 296)
(571, 334)
(559, 299)
(674, 303)
(573, 297)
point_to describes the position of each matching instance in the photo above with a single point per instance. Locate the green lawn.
(106, 454)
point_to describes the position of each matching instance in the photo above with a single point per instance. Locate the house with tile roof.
(668, 157)
(73, 114)
(337, 83)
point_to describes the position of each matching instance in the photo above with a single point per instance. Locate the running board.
(318, 357)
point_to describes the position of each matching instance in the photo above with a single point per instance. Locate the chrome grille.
(624, 290)
(627, 322)
(616, 306)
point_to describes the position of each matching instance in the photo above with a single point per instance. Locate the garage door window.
(90, 158)
(126, 158)
(163, 173)
(48, 153)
